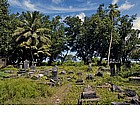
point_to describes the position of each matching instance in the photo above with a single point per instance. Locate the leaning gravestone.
(26, 65)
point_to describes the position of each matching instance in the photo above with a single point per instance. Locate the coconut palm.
(32, 36)
(113, 13)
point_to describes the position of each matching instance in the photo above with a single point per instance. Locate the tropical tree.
(58, 40)
(32, 36)
(113, 13)
(4, 28)
(128, 37)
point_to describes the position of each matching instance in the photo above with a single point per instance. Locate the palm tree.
(32, 36)
(113, 13)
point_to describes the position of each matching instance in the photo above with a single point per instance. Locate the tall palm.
(113, 13)
(32, 35)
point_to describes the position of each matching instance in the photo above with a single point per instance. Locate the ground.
(25, 91)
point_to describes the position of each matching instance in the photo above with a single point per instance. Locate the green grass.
(27, 91)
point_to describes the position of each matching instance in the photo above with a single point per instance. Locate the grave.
(88, 96)
(26, 65)
(116, 88)
(55, 73)
(89, 67)
(115, 67)
(3, 62)
(20, 65)
(112, 69)
(130, 93)
(79, 81)
(136, 79)
(33, 67)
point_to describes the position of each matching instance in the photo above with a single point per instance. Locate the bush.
(133, 71)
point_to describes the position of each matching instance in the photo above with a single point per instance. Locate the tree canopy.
(35, 36)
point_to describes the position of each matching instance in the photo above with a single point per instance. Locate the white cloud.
(81, 16)
(14, 2)
(115, 1)
(29, 5)
(126, 6)
(136, 23)
(52, 8)
(57, 1)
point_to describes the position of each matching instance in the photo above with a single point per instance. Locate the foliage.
(13, 92)
(32, 36)
(133, 71)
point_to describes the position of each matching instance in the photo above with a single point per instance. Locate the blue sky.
(74, 7)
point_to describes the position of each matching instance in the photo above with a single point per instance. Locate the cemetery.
(68, 85)
(66, 60)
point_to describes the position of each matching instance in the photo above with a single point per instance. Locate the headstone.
(33, 66)
(26, 65)
(79, 80)
(89, 67)
(118, 67)
(88, 96)
(20, 65)
(54, 73)
(112, 69)
(116, 88)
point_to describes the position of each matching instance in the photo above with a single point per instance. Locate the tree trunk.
(110, 44)
(63, 59)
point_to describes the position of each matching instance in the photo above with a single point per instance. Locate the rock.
(99, 73)
(116, 88)
(130, 93)
(70, 72)
(69, 78)
(119, 103)
(135, 100)
(62, 72)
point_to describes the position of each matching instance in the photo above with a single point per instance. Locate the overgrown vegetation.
(24, 90)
